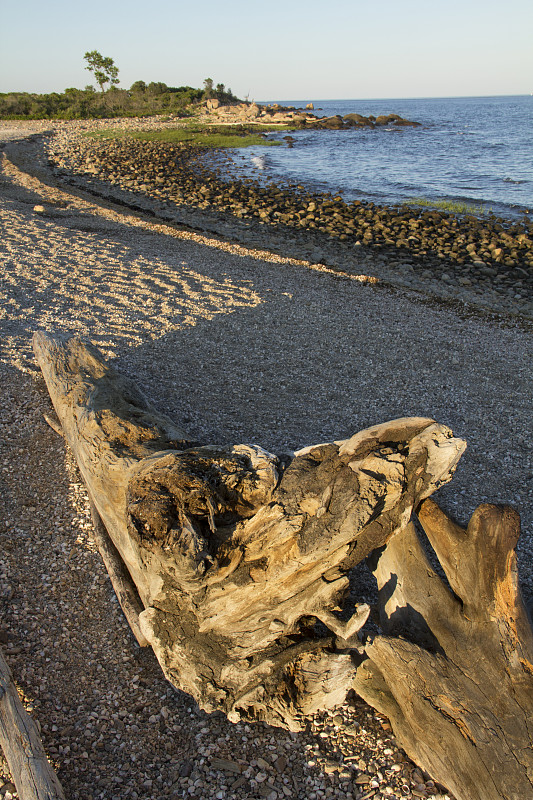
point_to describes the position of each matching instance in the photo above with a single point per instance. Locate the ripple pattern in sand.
(81, 282)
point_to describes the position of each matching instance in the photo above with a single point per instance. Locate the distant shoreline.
(303, 103)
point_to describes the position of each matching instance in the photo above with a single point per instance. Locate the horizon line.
(413, 97)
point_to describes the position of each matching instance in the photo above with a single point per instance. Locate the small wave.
(259, 161)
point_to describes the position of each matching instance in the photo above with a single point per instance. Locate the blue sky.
(277, 50)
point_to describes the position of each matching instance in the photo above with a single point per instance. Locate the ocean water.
(477, 150)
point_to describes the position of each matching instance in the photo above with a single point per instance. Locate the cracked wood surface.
(454, 670)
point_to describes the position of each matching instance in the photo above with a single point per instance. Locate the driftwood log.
(236, 553)
(31, 771)
(240, 560)
(119, 576)
(454, 670)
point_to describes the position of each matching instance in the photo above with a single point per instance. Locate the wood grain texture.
(454, 670)
(120, 578)
(32, 774)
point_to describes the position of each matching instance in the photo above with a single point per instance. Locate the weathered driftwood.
(119, 576)
(458, 684)
(31, 772)
(235, 554)
(125, 590)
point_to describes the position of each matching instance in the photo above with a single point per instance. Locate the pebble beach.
(242, 331)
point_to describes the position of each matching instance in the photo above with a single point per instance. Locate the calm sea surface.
(473, 149)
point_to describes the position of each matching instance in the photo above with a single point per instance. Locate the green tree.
(102, 67)
(157, 87)
(208, 88)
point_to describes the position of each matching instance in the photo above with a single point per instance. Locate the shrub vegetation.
(139, 100)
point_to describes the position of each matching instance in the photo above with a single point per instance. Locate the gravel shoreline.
(482, 261)
(240, 345)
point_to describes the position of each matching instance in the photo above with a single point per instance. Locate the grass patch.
(452, 206)
(200, 135)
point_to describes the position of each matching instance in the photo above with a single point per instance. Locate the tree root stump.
(240, 559)
(235, 554)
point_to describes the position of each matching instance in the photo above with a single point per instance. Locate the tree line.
(141, 99)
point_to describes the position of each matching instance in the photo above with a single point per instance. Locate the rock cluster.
(434, 245)
(299, 117)
(358, 121)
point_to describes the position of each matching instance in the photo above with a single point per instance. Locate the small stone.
(39, 209)
(185, 769)
(226, 765)
(352, 730)
(280, 763)
(265, 790)
(338, 719)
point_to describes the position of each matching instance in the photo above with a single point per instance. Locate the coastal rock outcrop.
(359, 121)
(300, 117)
